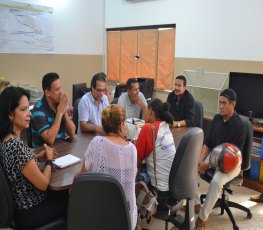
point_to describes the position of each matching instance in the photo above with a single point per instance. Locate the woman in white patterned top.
(113, 155)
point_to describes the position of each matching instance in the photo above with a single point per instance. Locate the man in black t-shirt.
(228, 127)
(181, 103)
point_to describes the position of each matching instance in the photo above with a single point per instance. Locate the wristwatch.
(49, 162)
(178, 124)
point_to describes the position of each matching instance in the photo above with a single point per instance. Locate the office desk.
(62, 178)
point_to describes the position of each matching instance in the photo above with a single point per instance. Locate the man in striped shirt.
(49, 115)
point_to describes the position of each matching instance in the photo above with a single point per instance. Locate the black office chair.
(78, 90)
(198, 114)
(29, 135)
(115, 100)
(75, 116)
(6, 202)
(7, 209)
(183, 179)
(97, 201)
(222, 202)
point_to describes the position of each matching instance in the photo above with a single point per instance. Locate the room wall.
(216, 36)
(207, 29)
(78, 40)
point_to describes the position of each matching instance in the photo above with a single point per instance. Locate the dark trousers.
(54, 206)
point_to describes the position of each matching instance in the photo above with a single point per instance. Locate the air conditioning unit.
(134, 1)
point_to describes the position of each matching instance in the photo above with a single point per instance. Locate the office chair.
(78, 90)
(7, 208)
(115, 100)
(97, 201)
(75, 116)
(6, 202)
(198, 114)
(183, 179)
(29, 135)
(223, 203)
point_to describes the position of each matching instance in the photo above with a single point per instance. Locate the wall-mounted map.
(26, 28)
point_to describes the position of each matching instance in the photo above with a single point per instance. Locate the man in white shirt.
(91, 105)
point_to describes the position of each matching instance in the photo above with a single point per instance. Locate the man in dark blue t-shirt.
(49, 116)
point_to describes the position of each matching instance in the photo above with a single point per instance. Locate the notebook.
(65, 161)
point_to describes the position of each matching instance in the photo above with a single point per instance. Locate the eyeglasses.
(100, 90)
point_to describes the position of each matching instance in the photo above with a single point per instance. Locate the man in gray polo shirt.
(133, 101)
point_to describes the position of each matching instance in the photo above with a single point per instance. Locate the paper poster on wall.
(26, 28)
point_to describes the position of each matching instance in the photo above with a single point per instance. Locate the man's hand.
(62, 106)
(202, 167)
(174, 125)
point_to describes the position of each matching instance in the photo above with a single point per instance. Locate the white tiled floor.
(218, 222)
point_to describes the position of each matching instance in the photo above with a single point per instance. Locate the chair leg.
(166, 225)
(229, 213)
(241, 207)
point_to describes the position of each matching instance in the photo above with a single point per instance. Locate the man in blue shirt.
(91, 105)
(49, 116)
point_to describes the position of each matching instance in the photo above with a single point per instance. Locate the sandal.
(197, 208)
(199, 224)
(257, 198)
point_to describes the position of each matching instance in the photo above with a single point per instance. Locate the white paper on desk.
(65, 161)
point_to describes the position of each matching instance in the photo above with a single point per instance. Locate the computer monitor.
(78, 90)
(146, 87)
(249, 89)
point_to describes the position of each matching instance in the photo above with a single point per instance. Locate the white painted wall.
(214, 29)
(78, 25)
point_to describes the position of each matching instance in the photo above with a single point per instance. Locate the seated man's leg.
(214, 191)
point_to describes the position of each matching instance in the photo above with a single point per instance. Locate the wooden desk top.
(63, 178)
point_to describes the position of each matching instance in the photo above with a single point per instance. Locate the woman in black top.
(34, 205)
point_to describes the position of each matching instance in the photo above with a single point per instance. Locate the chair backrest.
(183, 179)
(29, 135)
(246, 152)
(198, 114)
(6, 202)
(119, 89)
(75, 115)
(78, 90)
(97, 201)
(115, 100)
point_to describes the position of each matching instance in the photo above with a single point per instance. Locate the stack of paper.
(65, 161)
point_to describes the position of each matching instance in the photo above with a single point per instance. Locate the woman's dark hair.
(9, 100)
(161, 110)
(97, 77)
